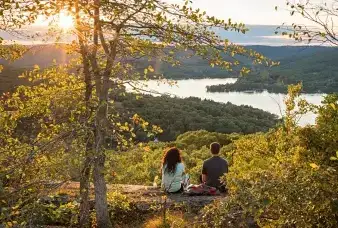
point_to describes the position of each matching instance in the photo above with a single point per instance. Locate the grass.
(173, 220)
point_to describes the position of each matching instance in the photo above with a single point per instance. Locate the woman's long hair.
(170, 160)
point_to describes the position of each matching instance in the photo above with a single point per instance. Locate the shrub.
(285, 178)
(198, 139)
(122, 210)
(142, 164)
(49, 210)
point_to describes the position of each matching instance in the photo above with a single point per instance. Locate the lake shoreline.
(270, 102)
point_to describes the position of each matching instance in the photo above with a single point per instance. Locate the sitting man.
(214, 168)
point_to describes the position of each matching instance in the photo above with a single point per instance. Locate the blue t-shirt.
(171, 182)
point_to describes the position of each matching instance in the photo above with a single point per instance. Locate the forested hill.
(43, 55)
(297, 63)
(177, 116)
(282, 53)
(318, 72)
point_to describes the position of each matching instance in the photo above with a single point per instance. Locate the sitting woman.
(172, 171)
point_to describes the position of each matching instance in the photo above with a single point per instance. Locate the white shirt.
(171, 182)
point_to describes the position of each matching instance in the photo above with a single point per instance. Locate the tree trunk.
(84, 220)
(101, 121)
(84, 216)
(102, 84)
(101, 204)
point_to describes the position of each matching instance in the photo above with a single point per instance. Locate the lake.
(271, 102)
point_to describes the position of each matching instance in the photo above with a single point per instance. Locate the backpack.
(201, 190)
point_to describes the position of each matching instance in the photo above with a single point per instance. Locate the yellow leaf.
(314, 166)
(151, 69)
(333, 106)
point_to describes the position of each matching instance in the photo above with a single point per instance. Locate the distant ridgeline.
(315, 67)
(307, 64)
(44, 55)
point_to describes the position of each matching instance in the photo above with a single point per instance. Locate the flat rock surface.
(148, 194)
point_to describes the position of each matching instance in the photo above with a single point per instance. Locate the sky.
(260, 17)
(253, 12)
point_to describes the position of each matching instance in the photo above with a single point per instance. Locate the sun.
(65, 21)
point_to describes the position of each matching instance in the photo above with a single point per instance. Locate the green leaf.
(335, 205)
(266, 202)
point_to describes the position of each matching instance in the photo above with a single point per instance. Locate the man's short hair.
(215, 147)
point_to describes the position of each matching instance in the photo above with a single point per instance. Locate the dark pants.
(221, 188)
